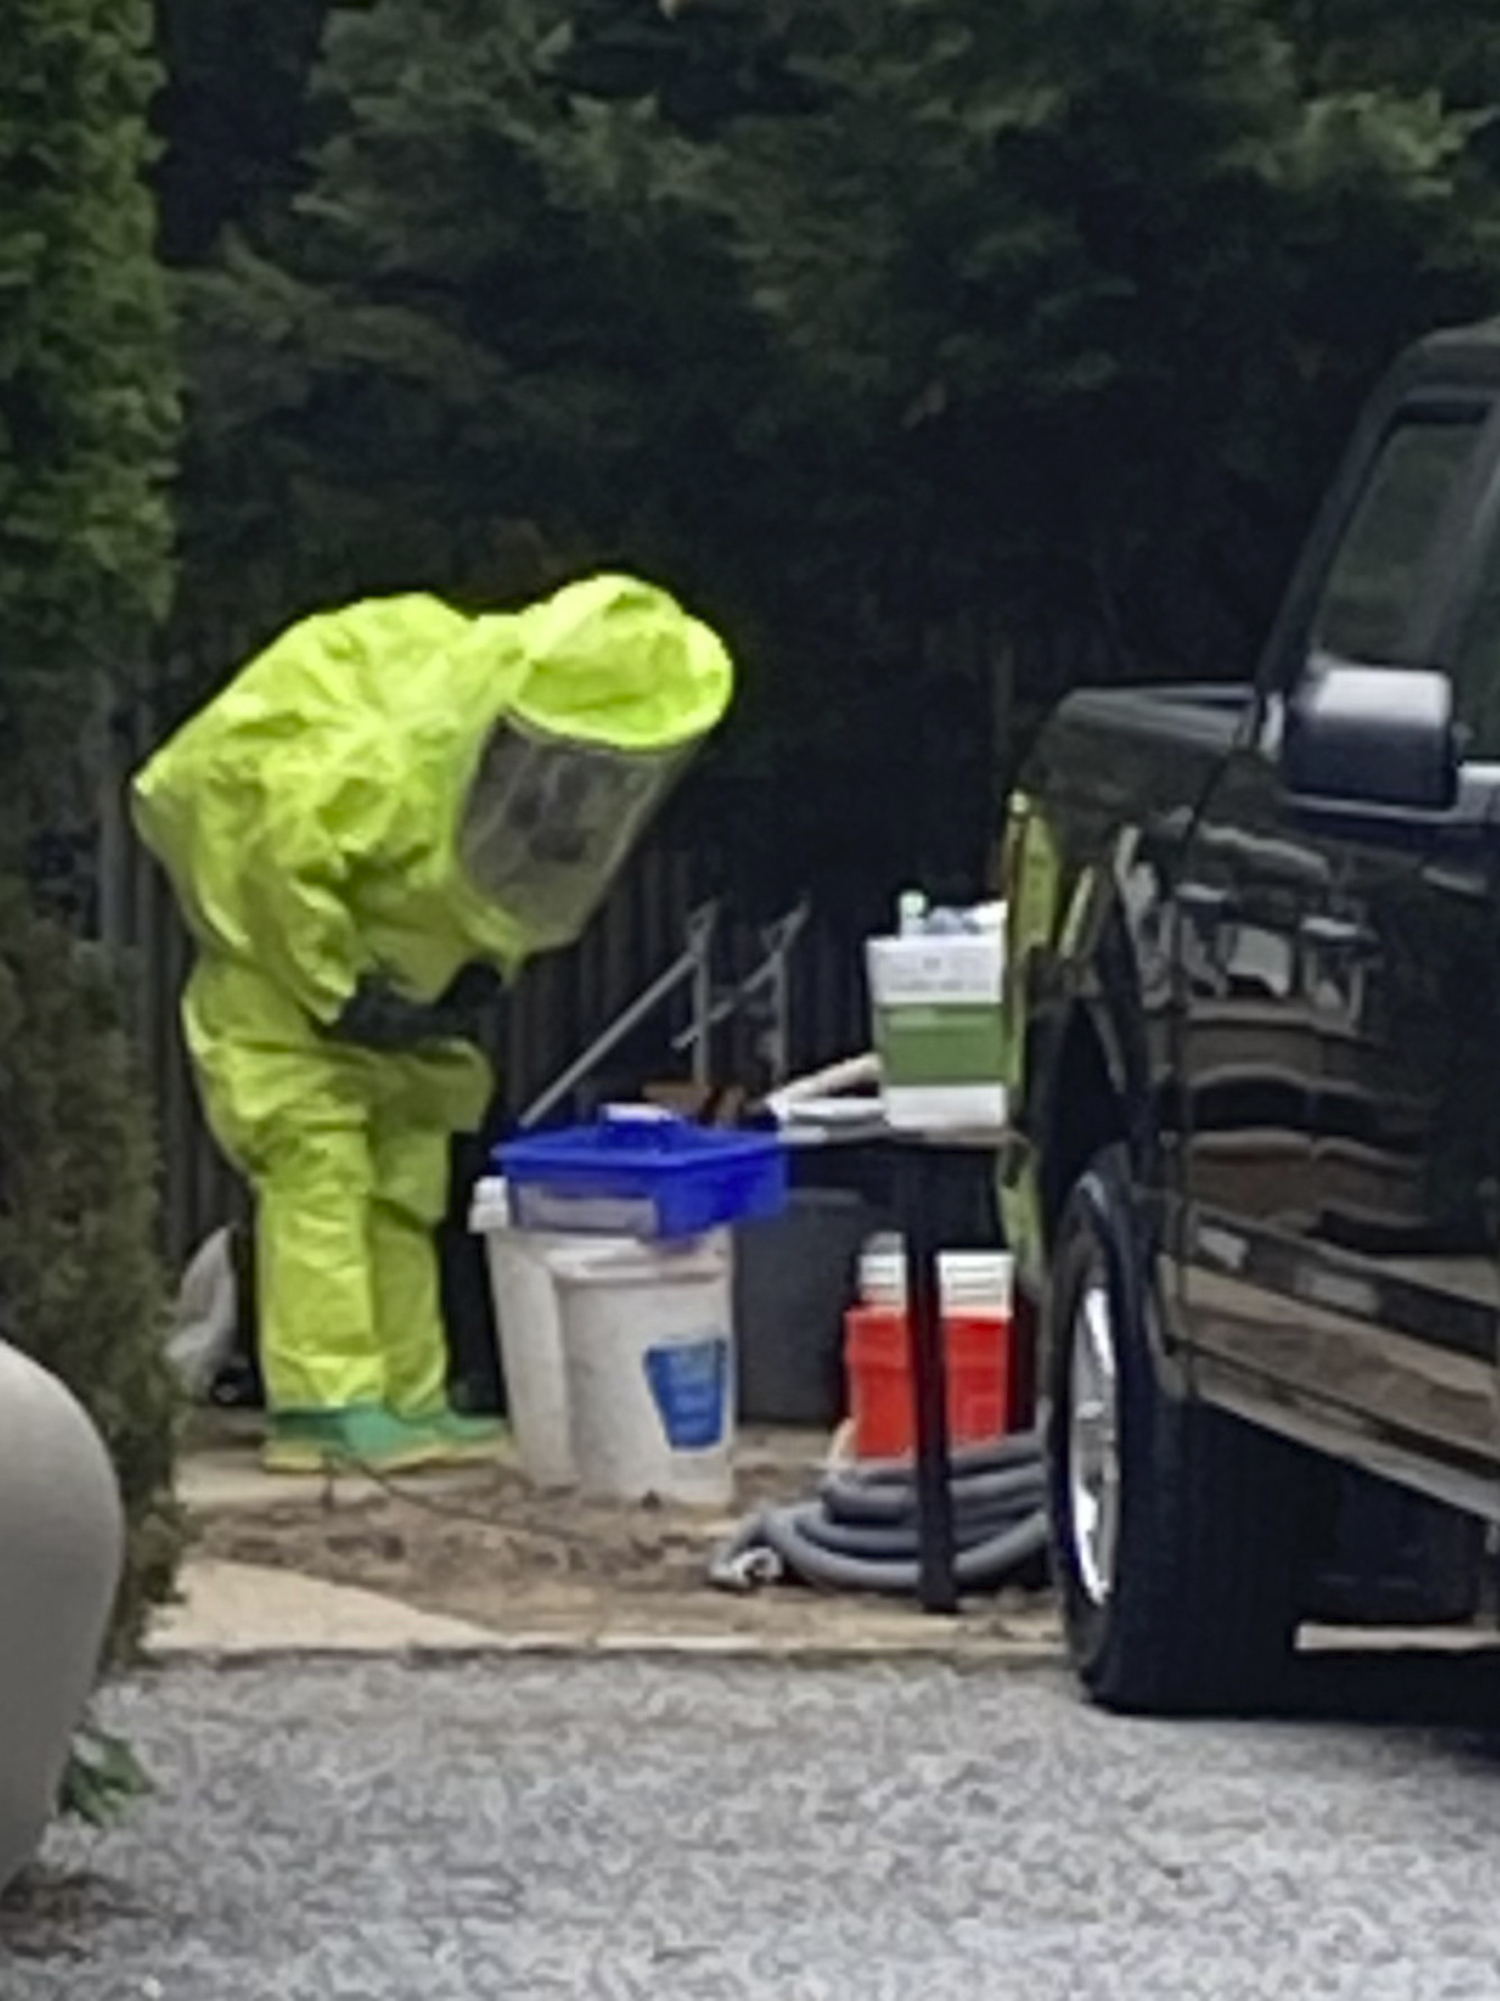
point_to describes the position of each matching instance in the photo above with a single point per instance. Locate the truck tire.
(1175, 1527)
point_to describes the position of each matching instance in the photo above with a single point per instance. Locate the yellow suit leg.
(319, 1333)
(297, 1113)
(348, 1150)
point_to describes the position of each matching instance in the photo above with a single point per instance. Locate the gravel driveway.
(614, 1828)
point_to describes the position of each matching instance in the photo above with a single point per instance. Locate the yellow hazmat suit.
(387, 795)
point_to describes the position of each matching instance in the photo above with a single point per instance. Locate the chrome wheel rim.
(1093, 1442)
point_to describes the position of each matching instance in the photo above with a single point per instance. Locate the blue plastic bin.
(647, 1177)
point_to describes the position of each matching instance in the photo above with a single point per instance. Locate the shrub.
(80, 1287)
(88, 435)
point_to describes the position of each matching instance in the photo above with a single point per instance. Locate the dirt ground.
(488, 1549)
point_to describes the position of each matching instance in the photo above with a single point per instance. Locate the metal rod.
(777, 940)
(703, 1017)
(937, 1586)
(562, 1087)
(780, 940)
(778, 1036)
(689, 964)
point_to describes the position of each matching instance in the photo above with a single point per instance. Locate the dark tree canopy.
(937, 346)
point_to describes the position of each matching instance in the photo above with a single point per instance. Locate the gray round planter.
(62, 1541)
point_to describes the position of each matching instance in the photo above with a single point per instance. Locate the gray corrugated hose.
(860, 1534)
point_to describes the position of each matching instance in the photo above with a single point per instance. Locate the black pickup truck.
(1254, 995)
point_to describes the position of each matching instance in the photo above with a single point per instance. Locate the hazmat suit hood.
(397, 789)
(614, 701)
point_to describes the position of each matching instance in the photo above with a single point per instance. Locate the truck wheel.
(1175, 1527)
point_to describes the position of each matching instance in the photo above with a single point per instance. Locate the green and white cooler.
(939, 1028)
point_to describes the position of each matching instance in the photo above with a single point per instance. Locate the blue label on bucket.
(689, 1383)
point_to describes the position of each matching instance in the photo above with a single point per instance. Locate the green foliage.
(231, 114)
(80, 1288)
(1089, 273)
(103, 1779)
(465, 328)
(88, 413)
(1450, 46)
(87, 378)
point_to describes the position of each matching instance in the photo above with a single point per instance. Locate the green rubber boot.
(369, 1439)
(475, 1440)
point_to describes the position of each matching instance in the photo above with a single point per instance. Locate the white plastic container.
(939, 1027)
(648, 1349)
(970, 1281)
(530, 1330)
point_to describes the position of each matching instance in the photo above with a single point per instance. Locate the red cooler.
(877, 1361)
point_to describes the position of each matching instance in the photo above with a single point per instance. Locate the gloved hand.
(379, 1017)
(474, 1008)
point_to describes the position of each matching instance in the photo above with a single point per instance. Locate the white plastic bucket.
(648, 1349)
(530, 1330)
(971, 1281)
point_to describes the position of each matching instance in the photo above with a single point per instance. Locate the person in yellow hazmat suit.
(387, 797)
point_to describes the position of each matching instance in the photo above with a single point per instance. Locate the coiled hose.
(860, 1534)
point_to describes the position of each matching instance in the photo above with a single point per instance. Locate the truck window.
(1475, 666)
(1371, 594)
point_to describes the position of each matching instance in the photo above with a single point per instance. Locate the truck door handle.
(1207, 914)
(1205, 906)
(1336, 935)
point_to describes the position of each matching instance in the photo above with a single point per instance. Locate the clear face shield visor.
(550, 821)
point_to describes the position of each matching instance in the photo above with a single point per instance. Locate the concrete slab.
(251, 1612)
(238, 1609)
(253, 1595)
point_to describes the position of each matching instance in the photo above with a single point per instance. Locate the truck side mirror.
(1372, 736)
